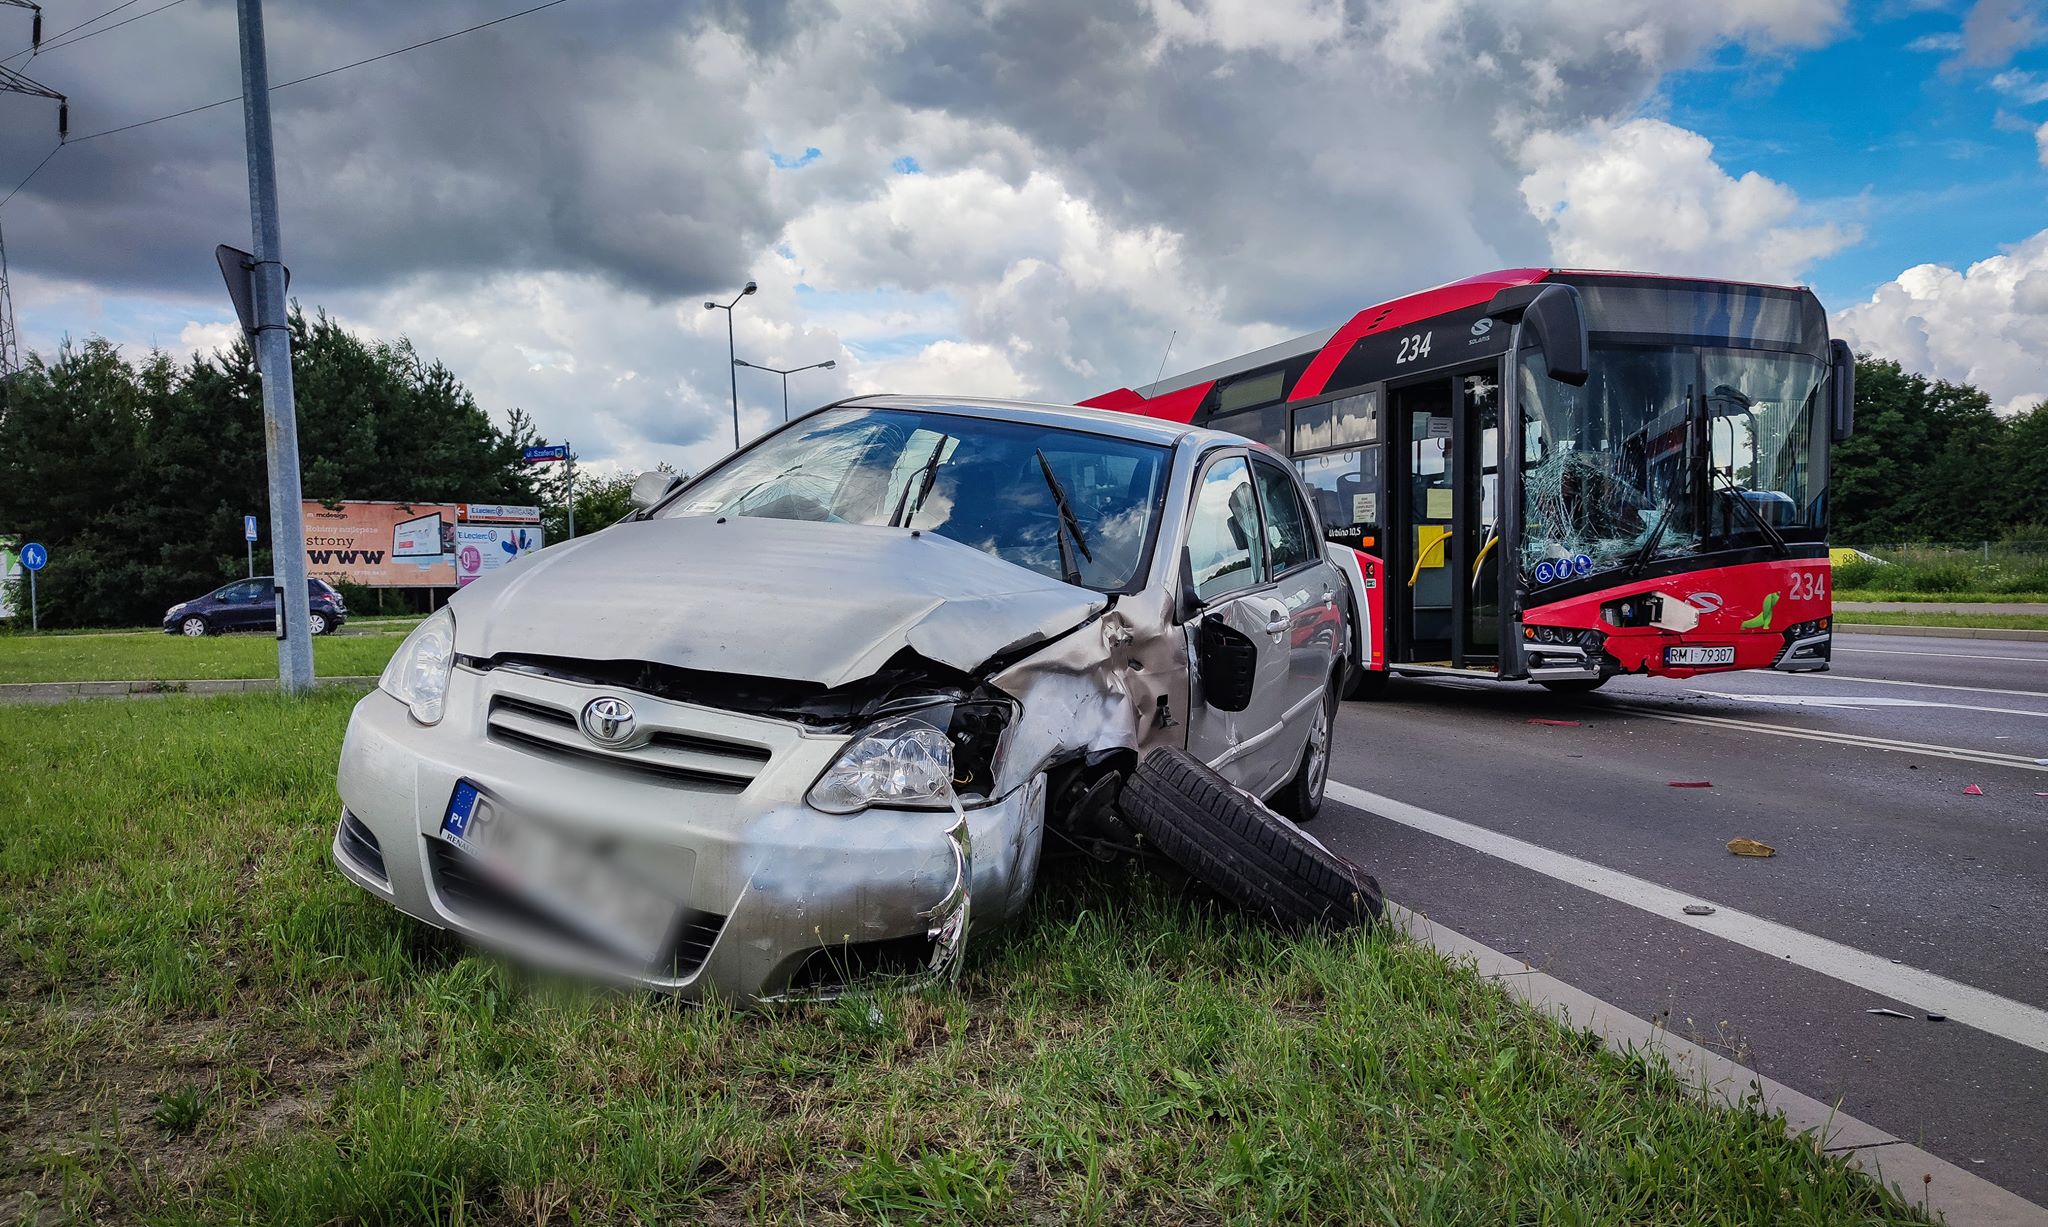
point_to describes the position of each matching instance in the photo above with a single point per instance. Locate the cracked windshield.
(1063, 503)
(1622, 473)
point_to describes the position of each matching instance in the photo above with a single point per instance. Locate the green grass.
(148, 656)
(2008, 622)
(1940, 598)
(201, 1022)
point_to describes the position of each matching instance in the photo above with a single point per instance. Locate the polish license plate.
(1699, 656)
(566, 878)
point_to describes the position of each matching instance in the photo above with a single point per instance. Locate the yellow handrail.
(1423, 557)
(1483, 552)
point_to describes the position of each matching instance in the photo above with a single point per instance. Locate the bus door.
(1447, 568)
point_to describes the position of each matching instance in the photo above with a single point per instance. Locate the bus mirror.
(1552, 317)
(1841, 390)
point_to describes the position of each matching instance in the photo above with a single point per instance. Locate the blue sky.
(1883, 128)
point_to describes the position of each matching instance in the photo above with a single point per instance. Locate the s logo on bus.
(1706, 602)
(1481, 327)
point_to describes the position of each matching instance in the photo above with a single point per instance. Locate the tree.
(1930, 461)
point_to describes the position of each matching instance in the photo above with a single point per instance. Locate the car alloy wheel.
(192, 628)
(317, 623)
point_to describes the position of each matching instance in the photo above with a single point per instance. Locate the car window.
(244, 593)
(995, 485)
(1224, 552)
(1289, 540)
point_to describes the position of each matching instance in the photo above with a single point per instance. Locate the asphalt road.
(1855, 776)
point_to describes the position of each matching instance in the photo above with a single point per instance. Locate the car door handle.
(1276, 622)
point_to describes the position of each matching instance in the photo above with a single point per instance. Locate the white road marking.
(1959, 753)
(1949, 655)
(1973, 1007)
(1854, 701)
(1886, 681)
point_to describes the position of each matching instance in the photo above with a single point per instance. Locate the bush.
(2023, 579)
(1941, 577)
(1863, 575)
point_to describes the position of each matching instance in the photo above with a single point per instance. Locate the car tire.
(317, 624)
(194, 627)
(1574, 685)
(1246, 852)
(1301, 798)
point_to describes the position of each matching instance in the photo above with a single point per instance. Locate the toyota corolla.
(800, 719)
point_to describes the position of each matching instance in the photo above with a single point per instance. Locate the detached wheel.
(316, 623)
(194, 627)
(1251, 855)
(1574, 685)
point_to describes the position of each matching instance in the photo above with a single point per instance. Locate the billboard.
(382, 545)
(10, 573)
(482, 548)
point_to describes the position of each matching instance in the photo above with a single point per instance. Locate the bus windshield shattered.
(1668, 452)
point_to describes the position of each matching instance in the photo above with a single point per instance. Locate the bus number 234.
(1413, 347)
(1807, 585)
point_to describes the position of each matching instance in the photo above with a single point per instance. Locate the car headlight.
(418, 673)
(173, 611)
(930, 754)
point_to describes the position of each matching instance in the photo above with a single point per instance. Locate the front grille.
(668, 756)
(830, 969)
(361, 847)
(468, 892)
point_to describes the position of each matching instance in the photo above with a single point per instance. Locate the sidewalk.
(59, 692)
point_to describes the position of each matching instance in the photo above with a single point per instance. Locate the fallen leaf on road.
(1742, 845)
(1689, 783)
(1563, 724)
(1971, 790)
(1887, 1012)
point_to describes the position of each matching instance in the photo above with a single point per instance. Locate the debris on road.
(1562, 724)
(1971, 790)
(1742, 845)
(1688, 783)
(1937, 1018)
(1888, 1012)
(1699, 909)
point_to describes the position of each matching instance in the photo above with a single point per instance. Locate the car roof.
(1135, 427)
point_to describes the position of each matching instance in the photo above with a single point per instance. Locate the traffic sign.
(34, 556)
(545, 455)
(248, 528)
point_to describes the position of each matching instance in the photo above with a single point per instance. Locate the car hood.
(797, 600)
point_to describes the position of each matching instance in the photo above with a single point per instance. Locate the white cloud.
(1647, 195)
(2041, 142)
(1986, 325)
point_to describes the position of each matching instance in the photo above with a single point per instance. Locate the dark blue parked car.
(248, 605)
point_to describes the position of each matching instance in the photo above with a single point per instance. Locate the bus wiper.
(922, 480)
(1649, 547)
(1072, 525)
(1734, 492)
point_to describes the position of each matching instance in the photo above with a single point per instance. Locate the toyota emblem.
(607, 721)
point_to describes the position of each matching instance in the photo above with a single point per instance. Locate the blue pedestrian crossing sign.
(34, 557)
(248, 528)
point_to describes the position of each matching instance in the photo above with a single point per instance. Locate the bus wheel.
(1246, 852)
(1366, 685)
(1574, 685)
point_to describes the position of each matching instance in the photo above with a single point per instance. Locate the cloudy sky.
(1022, 197)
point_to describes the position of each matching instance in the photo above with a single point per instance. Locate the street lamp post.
(826, 365)
(727, 308)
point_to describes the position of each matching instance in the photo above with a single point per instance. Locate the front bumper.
(779, 897)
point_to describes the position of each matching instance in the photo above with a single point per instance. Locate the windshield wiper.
(1734, 492)
(1071, 571)
(922, 481)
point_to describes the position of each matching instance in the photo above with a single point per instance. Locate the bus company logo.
(1706, 602)
(1480, 328)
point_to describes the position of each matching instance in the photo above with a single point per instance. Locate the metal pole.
(785, 396)
(274, 358)
(251, 547)
(569, 455)
(35, 616)
(732, 369)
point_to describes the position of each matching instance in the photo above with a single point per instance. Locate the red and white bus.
(1656, 505)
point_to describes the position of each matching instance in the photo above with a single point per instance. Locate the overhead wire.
(80, 26)
(32, 174)
(53, 44)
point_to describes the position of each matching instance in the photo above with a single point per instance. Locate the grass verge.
(2009, 622)
(1941, 598)
(201, 1022)
(151, 656)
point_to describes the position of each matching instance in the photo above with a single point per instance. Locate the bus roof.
(1178, 397)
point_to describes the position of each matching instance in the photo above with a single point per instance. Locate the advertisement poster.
(482, 548)
(382, 545)
(10, 574)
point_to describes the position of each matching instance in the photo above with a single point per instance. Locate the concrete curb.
(64, 692)
(1940, 632)
(1919, 1178)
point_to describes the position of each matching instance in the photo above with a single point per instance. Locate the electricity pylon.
(12, 82)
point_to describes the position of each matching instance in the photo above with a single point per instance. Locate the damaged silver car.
(804, 718)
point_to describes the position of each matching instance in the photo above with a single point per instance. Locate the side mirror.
(1227, 662)
(1551, 314)
(649, 487)
(1841, 390)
